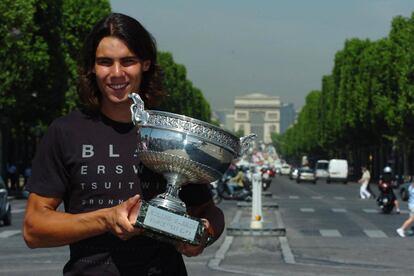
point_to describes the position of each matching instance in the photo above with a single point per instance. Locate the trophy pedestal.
(169, 225)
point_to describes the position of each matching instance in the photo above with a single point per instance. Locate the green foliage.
(78, 19)
(23, 58)
(183, 98)
(38, 56)
(367, 101)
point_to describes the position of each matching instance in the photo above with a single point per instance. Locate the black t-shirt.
(91, 162)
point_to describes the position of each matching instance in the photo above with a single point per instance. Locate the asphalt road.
(329, 231)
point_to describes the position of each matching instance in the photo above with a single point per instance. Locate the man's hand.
(122, 217)
(190, 250)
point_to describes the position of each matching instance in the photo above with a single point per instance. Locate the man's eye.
(104, 61)
(129, 61)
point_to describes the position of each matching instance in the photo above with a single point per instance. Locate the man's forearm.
(49, 228)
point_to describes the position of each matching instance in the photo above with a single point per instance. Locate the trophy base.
(168, 225)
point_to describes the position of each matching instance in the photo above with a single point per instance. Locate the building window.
(272, 128)
(272, 116)
(241, 115)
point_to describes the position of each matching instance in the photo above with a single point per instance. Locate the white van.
(321, 169)
(338, 170)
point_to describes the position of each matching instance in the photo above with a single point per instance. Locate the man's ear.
(146, 65)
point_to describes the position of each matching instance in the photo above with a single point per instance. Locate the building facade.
(257, 113)
(287, 116)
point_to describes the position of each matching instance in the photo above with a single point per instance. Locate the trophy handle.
(245, 142)
(138, 114)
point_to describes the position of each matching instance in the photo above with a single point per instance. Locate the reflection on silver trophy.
(184, 150)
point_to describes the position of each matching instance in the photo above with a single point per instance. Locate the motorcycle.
(386, 198)
(268, 173)
(239, 193)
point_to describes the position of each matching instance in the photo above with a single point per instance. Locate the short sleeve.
(49, 177)
(195, 194)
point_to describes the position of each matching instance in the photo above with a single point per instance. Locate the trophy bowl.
(184, 150)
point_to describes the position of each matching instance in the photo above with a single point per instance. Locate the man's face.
(118, 71)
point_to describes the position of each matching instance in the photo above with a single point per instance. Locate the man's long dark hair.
(139, 41)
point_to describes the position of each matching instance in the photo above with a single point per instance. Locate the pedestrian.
(408, 222)
(87, 160)
(13, 176)
(26, 174)
(364, 181)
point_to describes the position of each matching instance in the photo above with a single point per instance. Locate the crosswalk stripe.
(16, 211)
(370, 211)
(9, 233)
(375, 233)
(339, 198)
(307, 210)
(339, 210)
(331, 233)
(317, 197)
(293, 197)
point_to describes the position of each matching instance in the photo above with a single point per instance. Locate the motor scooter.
(240, 193)
(386, 198)
(268, 173)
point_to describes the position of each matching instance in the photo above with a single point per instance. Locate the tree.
(183, 98)
(38, 55)
(78, 19)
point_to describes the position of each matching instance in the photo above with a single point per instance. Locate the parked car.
(321, 169)
(306, 174)
(5, 206)
(338, 171)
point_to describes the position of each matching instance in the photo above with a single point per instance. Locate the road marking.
(339, 210)
(339, 198)
(16, 211)
(220, 253)
(331, 233)
(307, 210)
(9, 233)
(287, 254)
(375, 234)
(237, 217)
(317, 197)
(370, 211)
(293, 197)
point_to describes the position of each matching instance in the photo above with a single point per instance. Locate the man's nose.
(117, 70)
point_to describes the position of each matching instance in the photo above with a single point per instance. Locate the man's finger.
(133, 213)
(131, 202)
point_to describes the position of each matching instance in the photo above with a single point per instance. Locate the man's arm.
(46, 227)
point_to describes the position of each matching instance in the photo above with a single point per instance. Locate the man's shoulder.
(73, 119)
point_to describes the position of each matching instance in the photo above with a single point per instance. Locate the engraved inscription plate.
(171, 223)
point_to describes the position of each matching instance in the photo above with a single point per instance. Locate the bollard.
(257, 215)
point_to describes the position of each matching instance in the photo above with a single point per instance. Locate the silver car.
(306, 174)
(5, 207)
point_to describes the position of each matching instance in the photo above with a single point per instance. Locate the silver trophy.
(184, 150)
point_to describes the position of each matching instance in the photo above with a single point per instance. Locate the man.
(87, 161)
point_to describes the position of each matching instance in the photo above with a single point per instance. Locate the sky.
(275, 47)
